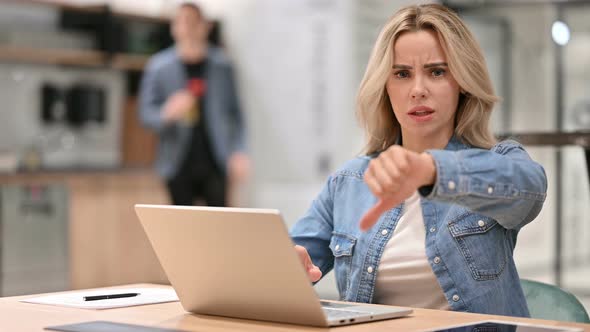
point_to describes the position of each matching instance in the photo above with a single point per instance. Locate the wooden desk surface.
(18, 316)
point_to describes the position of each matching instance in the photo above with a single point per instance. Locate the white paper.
(76, 299)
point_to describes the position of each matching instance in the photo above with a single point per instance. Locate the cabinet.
(92, 238)
(34, 251)
(109, 246)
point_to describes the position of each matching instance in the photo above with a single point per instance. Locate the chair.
(551, 302)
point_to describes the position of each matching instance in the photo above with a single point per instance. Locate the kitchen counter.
(51, 172)
(106, 242)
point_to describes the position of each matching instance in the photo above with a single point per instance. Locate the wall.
(576, 117)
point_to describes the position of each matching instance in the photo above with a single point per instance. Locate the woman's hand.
(393, 177)
(313, 272)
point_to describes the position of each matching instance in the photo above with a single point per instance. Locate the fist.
(393, 177)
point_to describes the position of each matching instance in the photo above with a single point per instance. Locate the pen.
(109, 296)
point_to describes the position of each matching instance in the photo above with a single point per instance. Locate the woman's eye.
(438, 72)
(402, 74)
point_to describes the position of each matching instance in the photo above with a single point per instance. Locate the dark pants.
(184, 189)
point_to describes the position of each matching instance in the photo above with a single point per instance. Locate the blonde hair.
(466, 64)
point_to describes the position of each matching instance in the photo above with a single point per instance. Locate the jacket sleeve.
(235, 112)
(314, 230)
(151, 100)
(503, 183)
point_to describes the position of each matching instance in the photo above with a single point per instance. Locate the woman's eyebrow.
(436, 64)
(428, 65)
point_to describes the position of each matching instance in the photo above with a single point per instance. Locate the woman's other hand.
(313, 272)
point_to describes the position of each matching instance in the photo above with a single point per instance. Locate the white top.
(404, 276)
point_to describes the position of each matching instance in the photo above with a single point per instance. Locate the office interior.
(68, 181)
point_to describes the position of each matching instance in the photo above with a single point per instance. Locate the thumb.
(371, 216)
(313, 272)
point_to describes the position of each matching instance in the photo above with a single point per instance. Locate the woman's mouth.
(421, 113)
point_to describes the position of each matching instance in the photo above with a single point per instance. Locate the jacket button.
(384, 232)
(370, 269)
(337, 247)
(456, 298)
(432, 229)
(451, 185)
(490, 190)
(481, 223)
(436, 260)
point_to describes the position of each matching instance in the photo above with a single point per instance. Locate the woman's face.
(423, 93)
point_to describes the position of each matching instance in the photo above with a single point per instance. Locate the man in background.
(189, 99)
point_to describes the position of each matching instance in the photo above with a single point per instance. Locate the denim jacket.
(472, 215)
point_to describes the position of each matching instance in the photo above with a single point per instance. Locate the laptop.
(240, 263)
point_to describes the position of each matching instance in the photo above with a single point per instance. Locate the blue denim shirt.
(472, 215)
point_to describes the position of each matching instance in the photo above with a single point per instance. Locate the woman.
(429, 217)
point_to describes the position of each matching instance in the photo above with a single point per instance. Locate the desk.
(18, 316)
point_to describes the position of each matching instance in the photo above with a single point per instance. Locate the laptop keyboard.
(335, 311)
(341, 313)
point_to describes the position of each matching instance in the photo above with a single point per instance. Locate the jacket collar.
(454, 144)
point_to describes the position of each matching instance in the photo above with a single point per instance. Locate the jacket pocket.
(342, 246)
(482, 242)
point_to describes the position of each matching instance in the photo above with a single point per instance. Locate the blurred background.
(74, 158)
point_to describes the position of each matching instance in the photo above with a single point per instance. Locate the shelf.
(129, 61)
(84, 58)
(146, 18)
(558, 138)
(99, 57)
(87, 58)
(94, 8)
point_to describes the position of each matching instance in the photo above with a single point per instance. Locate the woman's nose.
(419, 91)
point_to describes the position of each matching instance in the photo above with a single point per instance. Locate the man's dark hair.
(193, 6)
